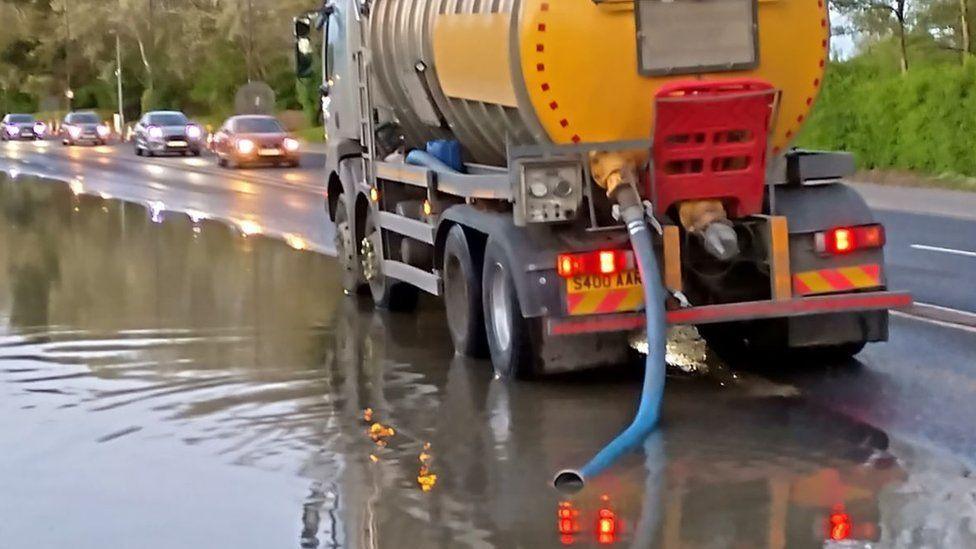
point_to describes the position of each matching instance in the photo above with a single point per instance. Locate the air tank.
(493, 72)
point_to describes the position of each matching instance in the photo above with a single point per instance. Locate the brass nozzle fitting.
(612, 169)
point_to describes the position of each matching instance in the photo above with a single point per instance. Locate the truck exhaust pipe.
(649, 410)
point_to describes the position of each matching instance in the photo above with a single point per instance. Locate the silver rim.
(368, 253)
(501, 319)
(344, 243)
(456, 290)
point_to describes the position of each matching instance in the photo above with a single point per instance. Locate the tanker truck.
(475, 150)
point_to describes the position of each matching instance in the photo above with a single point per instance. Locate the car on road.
(255, 139)
(163, 132)
(83, 127)
(21, 126)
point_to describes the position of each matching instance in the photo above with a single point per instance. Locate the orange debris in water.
(368, 415)
(378, 432)
(425, 477)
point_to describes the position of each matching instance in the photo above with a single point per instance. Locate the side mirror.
(304, 53)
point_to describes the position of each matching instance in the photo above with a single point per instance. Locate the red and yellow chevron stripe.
(841, 279)
(605, 301)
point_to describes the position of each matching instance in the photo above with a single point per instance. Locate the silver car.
(163, 132)
(84, 127)
(21, 126)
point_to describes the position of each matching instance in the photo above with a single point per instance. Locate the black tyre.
(221, 161)
(195, 152)
(387, 293)
(462, 296)
(510, 336)
(138, 150)
(351, 273)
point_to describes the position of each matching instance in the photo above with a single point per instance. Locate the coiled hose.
(648, 413)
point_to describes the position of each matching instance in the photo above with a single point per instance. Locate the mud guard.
(817, 207)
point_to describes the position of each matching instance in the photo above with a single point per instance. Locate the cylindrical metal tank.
(493, 72)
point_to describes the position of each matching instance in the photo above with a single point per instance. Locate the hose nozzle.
(569, 481)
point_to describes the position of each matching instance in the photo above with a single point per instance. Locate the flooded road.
(166, 383)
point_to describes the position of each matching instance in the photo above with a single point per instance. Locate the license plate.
(590, 283)
(604, 294)
(269, 152)
(177, 143)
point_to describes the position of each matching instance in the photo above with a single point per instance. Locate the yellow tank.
(563, 71)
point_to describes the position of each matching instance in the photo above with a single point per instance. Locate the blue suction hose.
(649, 411)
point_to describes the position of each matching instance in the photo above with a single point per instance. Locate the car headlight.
(245, 146)
(11, 130)
(291, 145)
(74, 132)
(156, 132)
(39, 128)
(103, 131)
(194, 132)
(549, 190)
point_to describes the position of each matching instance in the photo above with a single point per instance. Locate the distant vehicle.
(84, 127)
(161, 132)
(21, 126)
(255, 139)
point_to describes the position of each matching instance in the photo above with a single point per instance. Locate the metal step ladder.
(367, 119)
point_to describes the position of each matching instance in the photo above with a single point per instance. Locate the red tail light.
(840, 526)
(601, 262)
(606, 527)
(568, 525)
(844, 240)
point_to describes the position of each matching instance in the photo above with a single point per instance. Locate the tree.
(879, 17)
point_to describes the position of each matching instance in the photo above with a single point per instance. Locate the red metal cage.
(710, 141)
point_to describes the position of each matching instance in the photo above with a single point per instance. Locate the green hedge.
(923, 121)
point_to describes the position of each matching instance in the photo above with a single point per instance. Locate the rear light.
(568, 523)
(606, 527)
(844, 240)
(600, 262)
(840, 526)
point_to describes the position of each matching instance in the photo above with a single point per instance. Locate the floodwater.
(165, 383)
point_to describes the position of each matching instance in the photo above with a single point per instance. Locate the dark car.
(84, 127)
(162, 132)
(21, 126)
(255, 139)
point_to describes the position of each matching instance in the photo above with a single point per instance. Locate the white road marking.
(942, 323)
(951, 318)
(959, 312)
(964, 253)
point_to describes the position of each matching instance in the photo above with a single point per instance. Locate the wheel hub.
(368, 254)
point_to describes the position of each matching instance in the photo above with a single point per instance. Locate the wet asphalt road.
(172, 382)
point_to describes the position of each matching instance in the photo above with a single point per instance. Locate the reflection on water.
(188, 334)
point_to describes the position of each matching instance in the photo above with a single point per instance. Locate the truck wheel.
(462, 296)
(387, 293)
(345, 244)
(509, 334)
